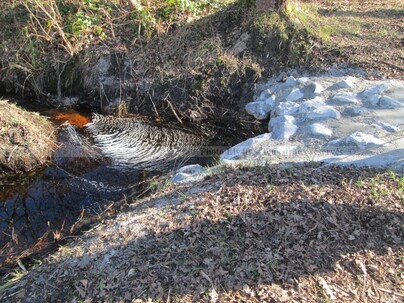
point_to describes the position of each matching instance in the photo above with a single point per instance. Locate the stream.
(95, 169)
(37, 208)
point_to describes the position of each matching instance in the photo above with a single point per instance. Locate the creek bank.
(27, 140)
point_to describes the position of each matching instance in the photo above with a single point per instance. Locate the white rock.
(343, 99)
(258, 109)
(188, 173)
(374, 90)
(372, 100)
(243, 148)
(387, 127)
(291, 81)
(191, 169)
(361, 140)
(317, 88)
(295, 95)
(324, 112)
(320, 130)
(303, 80)
(389, 103)
(265, 94)
(309, 105)
(180, 178)
(282, 127)
(286, 108)
(364, 141)
(347, 83)
(354, 111)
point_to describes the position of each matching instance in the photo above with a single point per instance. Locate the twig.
(172, 109)
(154, 106)
(391, 292)
(11, 154)
(392, 65)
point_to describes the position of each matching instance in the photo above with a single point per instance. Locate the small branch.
(392, 65)
(391, 292)
(173, 110)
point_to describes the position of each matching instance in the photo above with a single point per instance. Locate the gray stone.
(347, 83)
(258, 110)
(303, 81)
(291, 81)
(389, 103)
(286, 108)
(364, 141)
(343, 99)
(320, 130)
(282, 127)
(317, 88)
(191, 169)
(324, 112)
(295, 95)
(265, 94)
(374, 90)
(309, 105)
(238, 151)
(354, 111)
(179, 178)
(372, 100)
(359, 139)
(387, 127)
(188, 173)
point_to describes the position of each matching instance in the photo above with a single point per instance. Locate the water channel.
(39, 208)
(88, 177)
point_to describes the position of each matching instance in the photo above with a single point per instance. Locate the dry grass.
(367, 33)
(302, 234)
(26, 139)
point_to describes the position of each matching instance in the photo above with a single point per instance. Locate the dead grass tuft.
(26, 140)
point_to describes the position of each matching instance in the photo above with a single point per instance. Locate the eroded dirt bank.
(27, 140)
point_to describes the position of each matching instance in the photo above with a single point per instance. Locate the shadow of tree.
(379, 13)
(233, 236)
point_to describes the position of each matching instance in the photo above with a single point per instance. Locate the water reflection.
(79, 182)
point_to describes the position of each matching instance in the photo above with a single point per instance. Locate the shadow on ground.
(379, 13)
(241, 230)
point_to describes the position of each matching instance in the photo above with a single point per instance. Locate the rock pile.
(339, 120)
(330, 119)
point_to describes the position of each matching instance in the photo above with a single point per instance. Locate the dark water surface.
(78, 184)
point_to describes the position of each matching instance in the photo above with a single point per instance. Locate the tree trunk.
(270, 5)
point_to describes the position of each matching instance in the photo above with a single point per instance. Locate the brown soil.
(27, 140)
(301, 234)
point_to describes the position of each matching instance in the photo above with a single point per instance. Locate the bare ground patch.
(303, 234)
